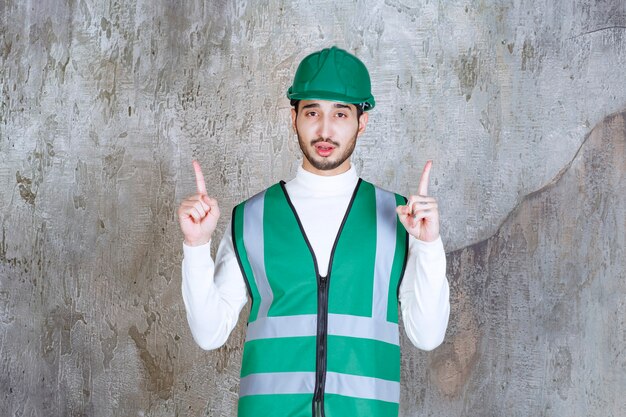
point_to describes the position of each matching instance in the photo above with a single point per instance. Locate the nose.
(325, 127)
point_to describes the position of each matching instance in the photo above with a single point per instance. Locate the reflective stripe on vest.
(336, 383)
(338, 325)
(281, 352)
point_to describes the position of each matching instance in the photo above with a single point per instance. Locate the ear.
(293, 119)
(362, 123)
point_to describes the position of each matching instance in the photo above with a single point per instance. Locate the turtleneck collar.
(321, 185)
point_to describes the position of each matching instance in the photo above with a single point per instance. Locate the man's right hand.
(198, 214)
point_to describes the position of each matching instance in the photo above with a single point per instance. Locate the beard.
(340, 154)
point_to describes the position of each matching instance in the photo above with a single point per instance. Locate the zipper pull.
(318, 410)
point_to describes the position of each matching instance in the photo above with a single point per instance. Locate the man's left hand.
(420, 215)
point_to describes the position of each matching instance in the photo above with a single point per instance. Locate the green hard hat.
(333, 74)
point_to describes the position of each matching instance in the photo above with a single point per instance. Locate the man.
(325, 259)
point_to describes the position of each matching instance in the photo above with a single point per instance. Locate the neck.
(311, 183)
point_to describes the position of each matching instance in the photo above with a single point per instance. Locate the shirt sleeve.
(213, 292)
(425, 293)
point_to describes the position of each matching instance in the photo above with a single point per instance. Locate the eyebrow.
(336, 105)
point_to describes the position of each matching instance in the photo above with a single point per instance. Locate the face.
(327, 133)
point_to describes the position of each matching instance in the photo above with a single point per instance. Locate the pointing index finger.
(423, 185)
(200, 185)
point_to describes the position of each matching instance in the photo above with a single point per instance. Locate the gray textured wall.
(105, 103)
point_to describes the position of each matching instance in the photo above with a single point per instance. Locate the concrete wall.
(105, 103)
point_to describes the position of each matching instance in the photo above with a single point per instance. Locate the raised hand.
(198, 213)
(420, 215)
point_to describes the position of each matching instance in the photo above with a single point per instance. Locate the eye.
(340, 114)
(311, 113)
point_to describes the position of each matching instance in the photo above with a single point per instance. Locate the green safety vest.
(321, 345)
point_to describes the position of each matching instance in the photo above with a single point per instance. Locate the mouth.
(324, 148)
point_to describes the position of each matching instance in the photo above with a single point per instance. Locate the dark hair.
(359, 107)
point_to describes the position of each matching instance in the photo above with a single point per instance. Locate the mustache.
(318, 140)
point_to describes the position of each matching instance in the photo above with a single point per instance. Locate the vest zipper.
(321, 354)
(322, 305)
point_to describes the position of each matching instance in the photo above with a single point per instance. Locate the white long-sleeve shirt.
(215, 292)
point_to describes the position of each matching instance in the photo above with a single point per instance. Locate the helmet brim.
(367, 102)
